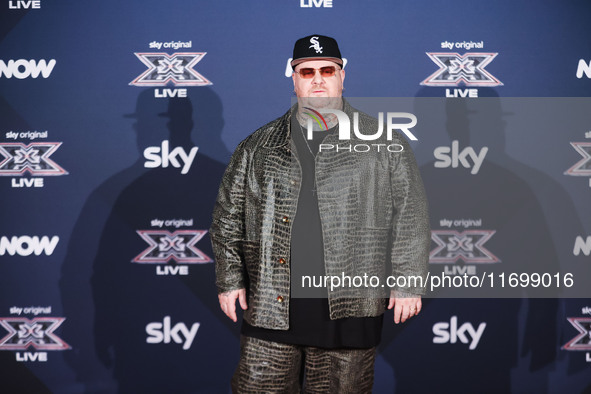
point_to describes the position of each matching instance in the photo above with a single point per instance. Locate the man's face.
(318, 86)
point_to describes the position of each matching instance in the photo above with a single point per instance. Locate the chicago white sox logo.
(315, 44)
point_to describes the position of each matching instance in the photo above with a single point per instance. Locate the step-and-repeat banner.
(117, 120)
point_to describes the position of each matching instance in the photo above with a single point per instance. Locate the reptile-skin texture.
(268, 367)
(373, 212)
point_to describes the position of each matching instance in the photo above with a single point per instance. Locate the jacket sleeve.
(411, 233)
(227, 231)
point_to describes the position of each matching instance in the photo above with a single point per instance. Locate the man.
(285, 211)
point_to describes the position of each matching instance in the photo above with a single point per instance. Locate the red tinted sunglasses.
(309, 72)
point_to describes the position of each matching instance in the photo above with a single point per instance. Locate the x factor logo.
(178, 246)
(38, 333)
(583, 167)
(176, 68)
(455, 68)
(583, 340)
(467, 245)
(17, 158)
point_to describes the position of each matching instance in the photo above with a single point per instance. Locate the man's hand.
(228, 302)
(404, 307)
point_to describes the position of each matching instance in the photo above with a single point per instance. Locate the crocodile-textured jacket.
(373, 213)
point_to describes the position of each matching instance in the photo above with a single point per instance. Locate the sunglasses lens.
(307, 73)
(327, 71)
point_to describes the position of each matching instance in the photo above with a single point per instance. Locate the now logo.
(26, 245)
(23, 68)
(582, 245)
(584, 68)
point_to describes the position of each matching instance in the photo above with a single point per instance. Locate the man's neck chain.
(305, 139)
(311, 153)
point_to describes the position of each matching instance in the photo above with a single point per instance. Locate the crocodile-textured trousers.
(271, 367)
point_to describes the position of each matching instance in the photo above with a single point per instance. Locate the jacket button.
(282, 261)
(279, 299)
(285, 219)
(292, 182)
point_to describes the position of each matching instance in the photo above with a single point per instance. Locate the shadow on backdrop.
(108, 319)
(518, 347)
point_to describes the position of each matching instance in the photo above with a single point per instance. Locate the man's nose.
(317, 77)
